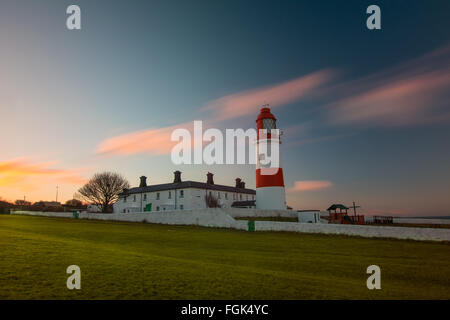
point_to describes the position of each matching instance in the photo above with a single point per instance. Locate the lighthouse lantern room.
(270, 193)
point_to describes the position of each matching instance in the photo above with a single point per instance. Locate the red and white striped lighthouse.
(270, 192)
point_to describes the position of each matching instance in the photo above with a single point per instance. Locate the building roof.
(337, 206)
(184, 185)
(249, 203)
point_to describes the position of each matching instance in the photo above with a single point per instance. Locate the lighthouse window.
(269, 124)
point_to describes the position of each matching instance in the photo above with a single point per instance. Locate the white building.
(181, 195)
(309, 216)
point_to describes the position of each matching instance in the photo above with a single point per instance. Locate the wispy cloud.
(28, 175)
(157, 141)
(414, 92)
(248, 102)
(310, 185)
(154, 141)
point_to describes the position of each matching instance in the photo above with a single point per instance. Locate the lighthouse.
(270, 194)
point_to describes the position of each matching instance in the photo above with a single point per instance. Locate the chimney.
(177, 176)
(238, 182)
(243, 185)
(143, 182)
(209, 179)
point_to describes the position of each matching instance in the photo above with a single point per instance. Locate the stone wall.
(421, 221)
(205, 217)
(433, 234)
(241, 212)
(215, 217)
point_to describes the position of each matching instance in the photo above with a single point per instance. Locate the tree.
(22, 203)
(74, 203)
(103, 189)
(211, 201)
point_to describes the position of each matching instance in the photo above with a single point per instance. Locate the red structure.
(270, 193)
(339, 215)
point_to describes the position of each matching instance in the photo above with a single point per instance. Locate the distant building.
(181, 195)
(309, 216)
(47, 204)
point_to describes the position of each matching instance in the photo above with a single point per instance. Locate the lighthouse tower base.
(270, 198)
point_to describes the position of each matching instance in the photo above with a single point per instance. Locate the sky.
(365, 113)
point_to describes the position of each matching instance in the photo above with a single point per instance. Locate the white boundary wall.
(434, 234)
(241, 212)
(220, 218)
(421, 221)
(203, 217)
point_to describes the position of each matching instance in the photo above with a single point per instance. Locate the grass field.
(144, 261)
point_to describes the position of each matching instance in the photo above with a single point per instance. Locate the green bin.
(75, 214)
(251, 225)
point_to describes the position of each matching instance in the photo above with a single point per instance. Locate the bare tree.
(103, 189)
(211, 201)
(74, 203)
(22, 203)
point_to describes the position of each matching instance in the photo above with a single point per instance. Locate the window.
(157, 197)
(170, 194)
(157, 208)
(269, 124)
(218, 195)
(247, 197)
(226, 195)
(134, 198)
(234, 196)
(181, 193)
(124, 199)
(181, 207)
(240, 196)
(145, 197)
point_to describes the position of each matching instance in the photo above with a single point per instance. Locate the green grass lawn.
(145, 261)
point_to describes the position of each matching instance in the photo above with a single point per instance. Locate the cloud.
(414, 92)
(27, 175)
(157, 141)
(248, 102)
(310, 185)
